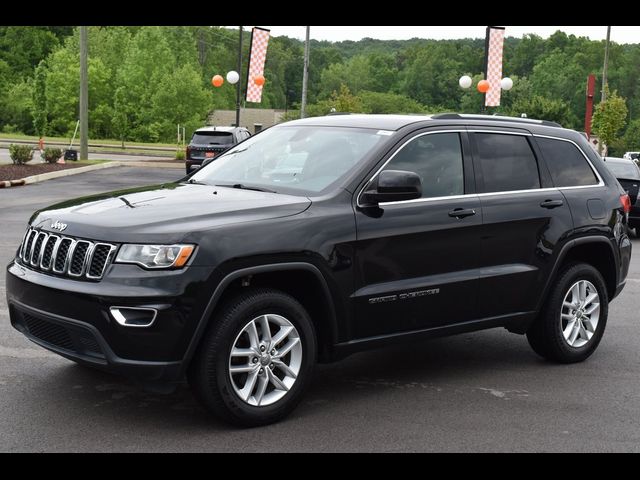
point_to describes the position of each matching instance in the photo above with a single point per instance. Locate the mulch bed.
(15, 172)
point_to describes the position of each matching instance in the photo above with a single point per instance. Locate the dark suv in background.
(322, 237)
(208, 142)
(627, 172)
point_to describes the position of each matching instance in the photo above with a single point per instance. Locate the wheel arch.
(289, 277)
(595, 250)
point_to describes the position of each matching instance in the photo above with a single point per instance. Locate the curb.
(89, 168)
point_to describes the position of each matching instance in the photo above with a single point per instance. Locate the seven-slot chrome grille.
(62, 255)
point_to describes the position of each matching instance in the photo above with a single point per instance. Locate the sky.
(625, 34)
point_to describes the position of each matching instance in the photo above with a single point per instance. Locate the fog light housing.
(134, 316)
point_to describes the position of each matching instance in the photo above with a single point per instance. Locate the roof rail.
(496, 118)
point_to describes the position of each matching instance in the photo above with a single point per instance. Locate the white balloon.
(506, 83)
(233, 77)
(465, 81)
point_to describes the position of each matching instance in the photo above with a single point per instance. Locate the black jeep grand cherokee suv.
(322, 237)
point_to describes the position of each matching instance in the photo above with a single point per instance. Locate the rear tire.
(237, 379)
(573, 319)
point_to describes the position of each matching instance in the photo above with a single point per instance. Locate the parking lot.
(483, 391)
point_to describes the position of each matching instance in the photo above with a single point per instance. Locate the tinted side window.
(567, 165)
(507, 162)
(437, 159)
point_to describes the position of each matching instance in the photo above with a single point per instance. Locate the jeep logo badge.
(58, 225)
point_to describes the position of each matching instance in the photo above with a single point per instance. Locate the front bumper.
(71, 317)
(83, 343)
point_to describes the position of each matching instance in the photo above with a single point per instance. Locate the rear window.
(566, 163)
(624, 170)
(212, 138)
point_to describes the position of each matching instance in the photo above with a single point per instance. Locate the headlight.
(155, 256)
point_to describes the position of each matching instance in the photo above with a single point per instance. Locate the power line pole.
(305, 77)
(603, 96)
(84, 95)
(239, 84)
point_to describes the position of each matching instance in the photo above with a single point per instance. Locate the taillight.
(188, 153)
(625, 201)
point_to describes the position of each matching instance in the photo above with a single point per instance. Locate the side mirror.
(393, 186)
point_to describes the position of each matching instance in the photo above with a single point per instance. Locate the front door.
(417, 260)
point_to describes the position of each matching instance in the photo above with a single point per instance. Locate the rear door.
(524, 217)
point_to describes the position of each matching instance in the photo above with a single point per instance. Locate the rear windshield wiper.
(247, 187)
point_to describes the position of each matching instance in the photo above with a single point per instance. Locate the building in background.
(253, 119)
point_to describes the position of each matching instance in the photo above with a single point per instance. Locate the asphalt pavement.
(484, 391)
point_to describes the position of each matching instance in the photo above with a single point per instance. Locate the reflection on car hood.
(174, 208)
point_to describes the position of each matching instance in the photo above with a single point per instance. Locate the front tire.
(256, 359)
(574, 316)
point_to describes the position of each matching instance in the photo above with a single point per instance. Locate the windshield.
(624, 170)
(297, 159)
(212, 138)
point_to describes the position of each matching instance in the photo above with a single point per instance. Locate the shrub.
(10, 128)
(180, 154)
(51, 154)
(21, 154)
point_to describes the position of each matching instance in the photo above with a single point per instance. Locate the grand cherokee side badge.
(58, 225)
(404, 296)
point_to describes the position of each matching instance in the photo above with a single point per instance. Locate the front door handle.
(552, 203)
(462, 212)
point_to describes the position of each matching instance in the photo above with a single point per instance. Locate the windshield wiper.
(247, 187)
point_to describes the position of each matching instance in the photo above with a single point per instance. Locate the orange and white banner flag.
(493, 54)
(257, 58)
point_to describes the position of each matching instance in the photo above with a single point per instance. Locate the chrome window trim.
(517, 192)
(430, 199)
(483, 194)
(502, 132)
(593, 169)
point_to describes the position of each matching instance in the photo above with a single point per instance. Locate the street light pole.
(606, 64)
(305, 77)
(239, 84)
(84, 95)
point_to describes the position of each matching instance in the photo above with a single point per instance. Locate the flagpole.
(239, 84)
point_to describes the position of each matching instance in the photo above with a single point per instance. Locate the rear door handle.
(552, 203)
(462, 212)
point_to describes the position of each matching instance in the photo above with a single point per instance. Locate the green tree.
(342, 101)
(609, 118)
(377, 102)
(180, 99)
(23, 47)
(632, 136)
(542, 108)
(147, 61)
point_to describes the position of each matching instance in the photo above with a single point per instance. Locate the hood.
(165, 212)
